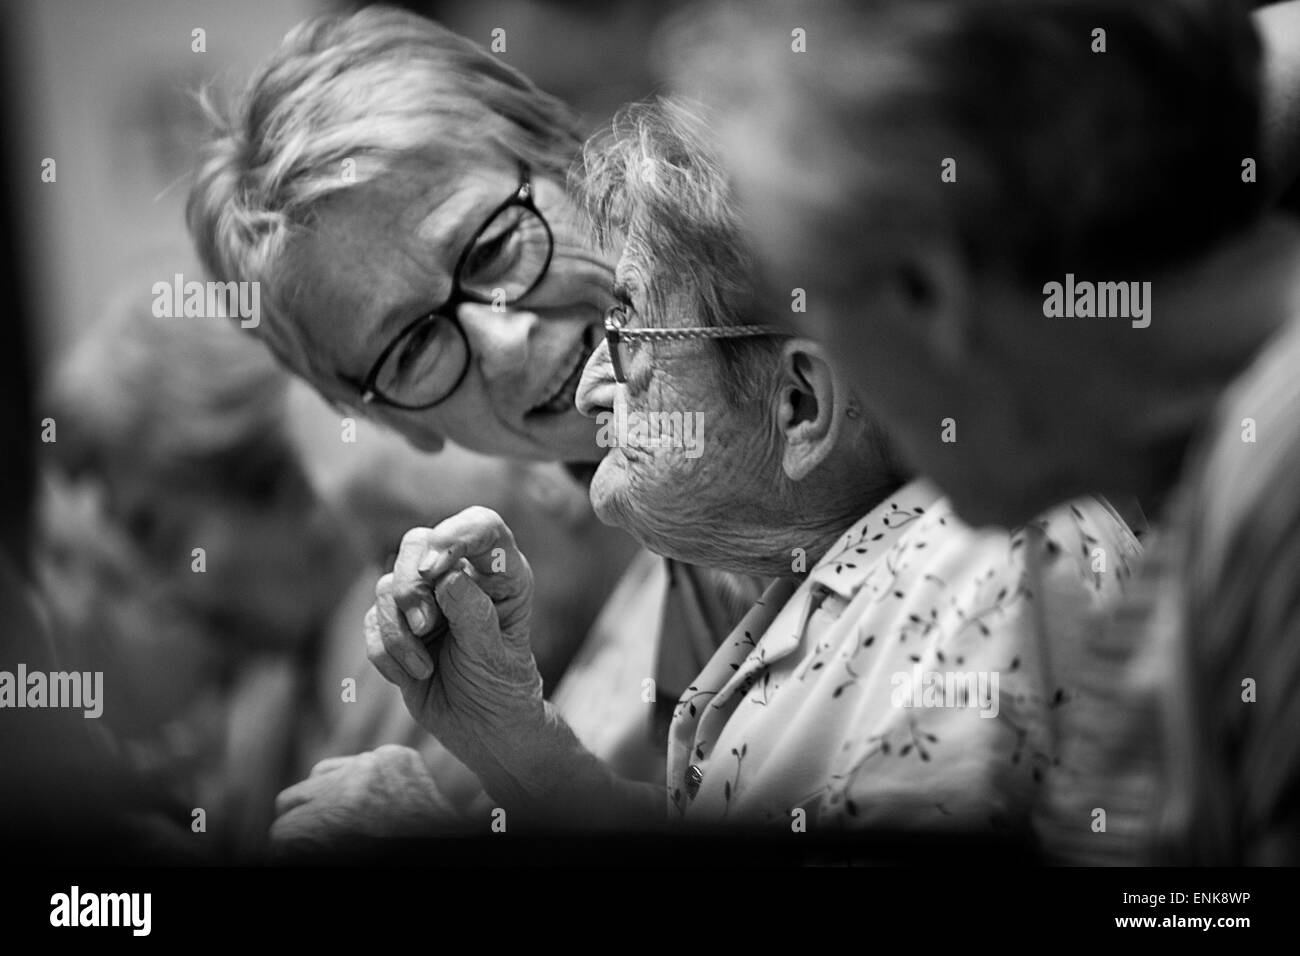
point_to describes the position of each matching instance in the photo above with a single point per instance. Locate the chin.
(609, 493)
(604, 491)
(665, 536)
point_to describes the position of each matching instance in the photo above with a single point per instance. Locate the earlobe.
(811, 407)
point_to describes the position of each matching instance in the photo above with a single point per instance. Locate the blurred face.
(383, 254)
(274, 572)
(274, 557)
(684, 473)
(965, 439)
(980, 425)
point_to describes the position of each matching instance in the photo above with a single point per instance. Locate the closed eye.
(492, 257)
(416, 343)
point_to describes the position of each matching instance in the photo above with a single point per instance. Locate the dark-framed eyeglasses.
(622, 340)
(504, 261)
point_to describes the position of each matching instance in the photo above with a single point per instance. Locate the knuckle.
(484, 516)
(407, 594)
(481, 513)
(481, 611)
(415, 538)
(391, 637)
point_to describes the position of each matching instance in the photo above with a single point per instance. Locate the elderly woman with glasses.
(902, 669)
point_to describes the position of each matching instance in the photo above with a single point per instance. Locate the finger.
(328, 765)
(291, 833)
(471, 615)
(405, 648)
(512, 582)
(480, 536)
(408, 649)
(378, 655)
(398, 752)
(304, 791)
(412, 594)
(282, 829)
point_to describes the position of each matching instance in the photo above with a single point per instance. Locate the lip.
(582, 351)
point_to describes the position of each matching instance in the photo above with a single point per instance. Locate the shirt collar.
(845, 565)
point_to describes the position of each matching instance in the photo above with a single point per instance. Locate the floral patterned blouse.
(914, 678)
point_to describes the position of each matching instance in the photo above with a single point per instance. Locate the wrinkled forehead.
(415, 205)
(374, 255)
(660, 296)
(360, 253)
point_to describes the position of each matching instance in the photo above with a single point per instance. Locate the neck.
(816, 540)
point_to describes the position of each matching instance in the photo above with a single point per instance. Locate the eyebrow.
(622, 292)
(627, 285)
(408, 308)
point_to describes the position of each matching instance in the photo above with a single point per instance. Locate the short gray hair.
(652, 179)
(377, 87)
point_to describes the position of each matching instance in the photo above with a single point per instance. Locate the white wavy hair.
(380, 87)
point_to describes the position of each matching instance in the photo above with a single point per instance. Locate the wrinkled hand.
(450, 627)
(382, 793)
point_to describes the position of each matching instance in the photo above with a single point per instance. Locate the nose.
(498, 338)
(597, 388)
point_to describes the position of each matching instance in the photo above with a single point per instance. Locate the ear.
(811, 405)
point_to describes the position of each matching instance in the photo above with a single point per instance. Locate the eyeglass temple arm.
(720, 332)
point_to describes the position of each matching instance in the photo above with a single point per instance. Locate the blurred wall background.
(106, 93)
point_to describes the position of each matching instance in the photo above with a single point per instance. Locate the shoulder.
(1240, 496)
(1241, 483)
(1084, 537)
(1075, 538)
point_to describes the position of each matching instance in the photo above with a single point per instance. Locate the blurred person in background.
(399, 194)
(173, 522)
(1141, 162)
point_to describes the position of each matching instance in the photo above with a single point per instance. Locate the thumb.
(471, 616)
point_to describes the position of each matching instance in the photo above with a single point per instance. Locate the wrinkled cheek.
(665, 493)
